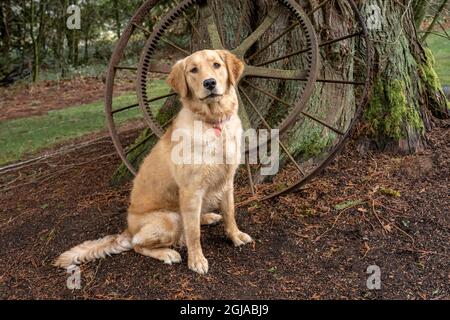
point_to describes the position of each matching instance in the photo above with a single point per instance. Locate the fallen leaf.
(390, 192)
(347, 204)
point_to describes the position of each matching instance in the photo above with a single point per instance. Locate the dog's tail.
(95, 249)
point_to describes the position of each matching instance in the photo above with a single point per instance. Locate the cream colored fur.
(170, 201)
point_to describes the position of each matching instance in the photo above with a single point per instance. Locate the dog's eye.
(216, 65)
(194, 70)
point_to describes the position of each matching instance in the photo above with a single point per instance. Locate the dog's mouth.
(212, 96)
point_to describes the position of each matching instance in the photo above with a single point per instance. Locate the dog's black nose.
(210, 84)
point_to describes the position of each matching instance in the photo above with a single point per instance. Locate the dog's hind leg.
(165, 255)
(161, 231)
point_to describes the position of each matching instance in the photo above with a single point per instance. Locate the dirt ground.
(365, 209)
(26, 100)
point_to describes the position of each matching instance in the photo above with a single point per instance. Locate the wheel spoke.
(213, 32)
(237, 37)
(291, 106)
(274, 40)
(355, 83)
(269, 128)
(326, 43)
(260, 72)
(173, 45)
(243, 115)
(157, 68)
(270, 19)
(320, 5)
(125, 68)
(192, 25)
(125, 108)
(283, 57)
(322, 123)
(129, 150)
(145, 30)
(249, 173)
(162, 97)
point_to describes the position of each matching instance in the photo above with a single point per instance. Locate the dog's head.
(206, 75)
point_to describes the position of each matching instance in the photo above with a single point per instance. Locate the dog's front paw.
(240, 238)
(210, 218)
(198, 264)
(170, 256)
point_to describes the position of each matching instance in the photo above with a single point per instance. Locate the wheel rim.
(310, 78)
(306, 76)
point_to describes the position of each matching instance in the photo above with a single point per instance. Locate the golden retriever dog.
(171, 200)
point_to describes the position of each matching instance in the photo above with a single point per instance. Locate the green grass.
(28, 135)
(441, 51)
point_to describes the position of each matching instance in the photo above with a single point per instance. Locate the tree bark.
(407, 88)
(406, 91)
(5, 9)
(35, 44)
(117, 18)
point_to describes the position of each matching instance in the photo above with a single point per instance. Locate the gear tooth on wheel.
(284, 123)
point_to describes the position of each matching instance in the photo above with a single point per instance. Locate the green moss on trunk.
(145, 141)
(389, 112)
(139, 148)
(435, 97)
(428, 74)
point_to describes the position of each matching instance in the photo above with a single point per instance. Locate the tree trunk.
(5, 9)
(35, 44)
(86, 49)
(117, 18)
(36, 34)
(407, 88)
(406, 91)
(76, 39)
(60, 34)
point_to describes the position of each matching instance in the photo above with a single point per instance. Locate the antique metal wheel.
(280, 88)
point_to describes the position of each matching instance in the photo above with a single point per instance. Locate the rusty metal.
(287, 30)
(125, 108)
(285, 149)
(267, 93)
(295, 111)
(323, 44)
(145, 139)
(270, 19)
(364, 99)
(319, 6)
(269, 73)
(308, 75)
(250, 176)
(327, 43)
(138, 17)
(125, 68)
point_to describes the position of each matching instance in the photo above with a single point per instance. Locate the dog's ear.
(235, 66)
(177, 79)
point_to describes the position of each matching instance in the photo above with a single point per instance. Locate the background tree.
(406, 93)
(5, 14)
(407, 89)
